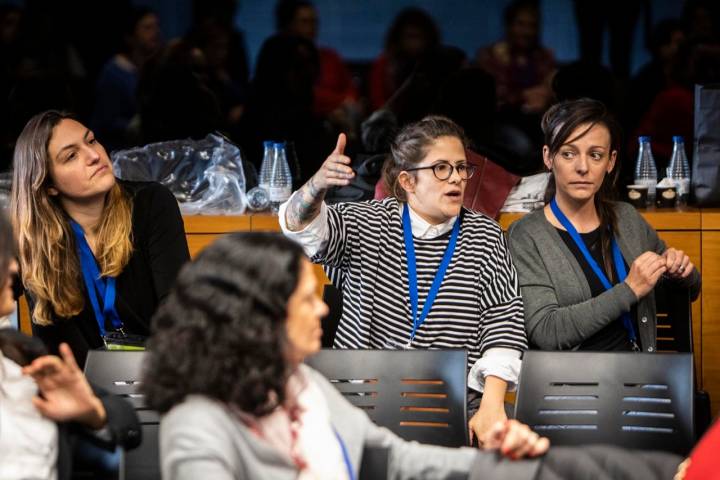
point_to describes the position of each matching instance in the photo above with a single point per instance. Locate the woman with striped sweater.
(417, 270)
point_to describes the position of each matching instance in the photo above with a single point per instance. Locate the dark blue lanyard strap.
(346, 456)
(617, 260)
(412, 270)
(96, 286)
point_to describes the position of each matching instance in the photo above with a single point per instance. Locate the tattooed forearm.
(304, 206)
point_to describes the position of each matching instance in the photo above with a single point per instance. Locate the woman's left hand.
(678, 263)
(515, 440)
(480, 424)
(65, 393)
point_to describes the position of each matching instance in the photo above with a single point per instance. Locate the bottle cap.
(279, 144)
(268, 143)
(678, 139)
(644, 139)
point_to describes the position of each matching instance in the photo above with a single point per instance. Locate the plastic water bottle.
(679, 170)
(645, 170)
(266, 166)
(280, 178)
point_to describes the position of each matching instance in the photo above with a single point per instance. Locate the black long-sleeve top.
(159, 250)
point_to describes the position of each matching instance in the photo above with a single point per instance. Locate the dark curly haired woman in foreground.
(225, 368)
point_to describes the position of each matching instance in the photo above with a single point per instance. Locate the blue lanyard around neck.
(346, 456)
(617, 260)
(412, 270)
(96, 286)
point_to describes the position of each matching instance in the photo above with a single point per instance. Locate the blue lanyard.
(617, 260)
(346, 456)
(94, 283)
(412, 270)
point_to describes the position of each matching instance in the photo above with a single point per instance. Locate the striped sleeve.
(335, 255)
(502, 321)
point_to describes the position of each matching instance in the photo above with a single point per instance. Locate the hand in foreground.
(515, 440)
(481, 423)
(335, 170)
(678, 264)
(64, 392)
(682, 470)
(644, 273)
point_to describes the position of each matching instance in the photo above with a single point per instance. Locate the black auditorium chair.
(675, 334)
(674, 319)
(418, 394)
(632, 400)
(119, 372)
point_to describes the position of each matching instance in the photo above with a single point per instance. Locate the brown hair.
(411, 145)
(46, 244)
(558, 124)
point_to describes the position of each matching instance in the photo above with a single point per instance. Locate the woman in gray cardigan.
(225, 368)
(563, 251)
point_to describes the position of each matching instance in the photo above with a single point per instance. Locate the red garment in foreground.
(705, 459)
(485, 192)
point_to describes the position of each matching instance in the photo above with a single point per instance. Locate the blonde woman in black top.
(96, 254)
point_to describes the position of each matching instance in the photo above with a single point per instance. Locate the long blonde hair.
(46, 243)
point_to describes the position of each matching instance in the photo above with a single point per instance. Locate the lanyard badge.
(412, 270)
(97, 286)
(617, 261)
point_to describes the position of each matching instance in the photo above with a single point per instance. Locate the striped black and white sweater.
(478, 306)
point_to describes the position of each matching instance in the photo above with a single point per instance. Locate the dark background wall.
(356, 28)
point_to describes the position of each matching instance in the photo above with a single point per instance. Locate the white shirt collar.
(424, 230)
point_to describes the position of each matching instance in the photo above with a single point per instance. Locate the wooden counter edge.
(711, 218)
(670, 219)
(659, 219)
(216, 223)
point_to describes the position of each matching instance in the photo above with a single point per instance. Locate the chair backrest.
(633, 400)
(674, 319)
(119, 372)
(418, 394)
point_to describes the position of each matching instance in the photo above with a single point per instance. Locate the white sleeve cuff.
(314, 237)
(499, 362)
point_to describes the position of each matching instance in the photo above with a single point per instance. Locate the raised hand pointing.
(335, 171)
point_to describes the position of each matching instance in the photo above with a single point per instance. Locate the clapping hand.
(515, 440)
(645, 272)
(65, 394)
(678, 264)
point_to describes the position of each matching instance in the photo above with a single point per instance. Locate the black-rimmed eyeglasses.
(443, 171)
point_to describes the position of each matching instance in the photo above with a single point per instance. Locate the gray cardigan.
(200, 438)
(560, 312)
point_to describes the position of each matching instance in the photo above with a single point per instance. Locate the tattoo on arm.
(304, 206)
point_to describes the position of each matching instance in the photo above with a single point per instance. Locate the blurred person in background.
(223, 46)
(522, 69)
(521, 66)
(412, 33)
(281, 105)
(115, 98)
(335, 95)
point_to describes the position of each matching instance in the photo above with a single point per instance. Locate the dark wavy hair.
(558, 125)
(221, 331)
